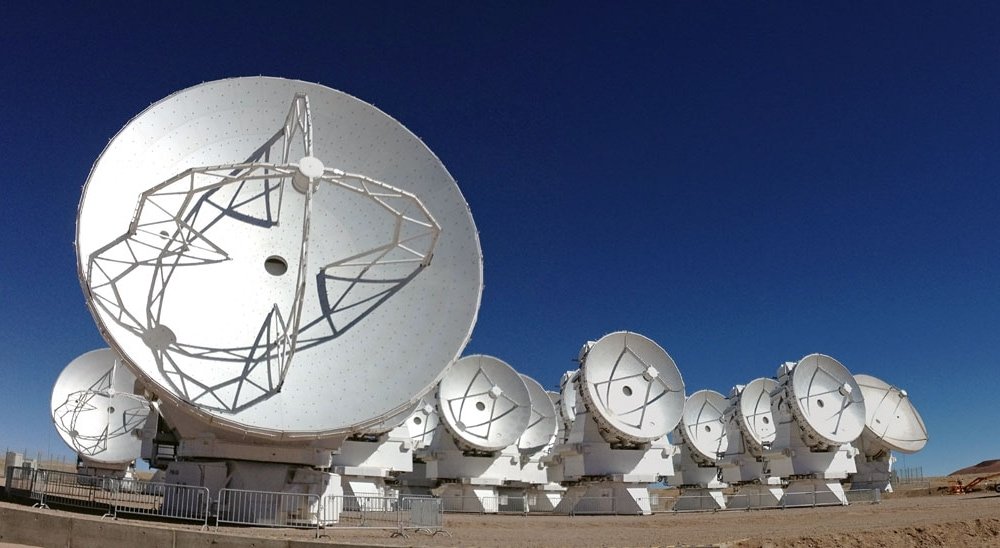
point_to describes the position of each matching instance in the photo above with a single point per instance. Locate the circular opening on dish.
(164, 234)
(819, 403)
(416, 420)
(627, 390)
(708, 428)
(766, 420)
(480, 406)
(111, 410)
(275, 265)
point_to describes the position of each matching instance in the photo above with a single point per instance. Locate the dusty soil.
(918, 517)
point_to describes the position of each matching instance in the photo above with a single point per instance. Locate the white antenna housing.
(703, 441)
(96, 411)
(484, 408)
(751, 429)
(820, 410)
(892, 423)
(616, 446)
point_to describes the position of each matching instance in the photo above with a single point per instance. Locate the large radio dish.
(269, 250)
(543, 424)
(702, 426)
(753, 410)
(484, 403)
(632, 387)
(890, 415)
(826, 401)
(95, 409)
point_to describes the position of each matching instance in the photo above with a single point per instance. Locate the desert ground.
(925, 516)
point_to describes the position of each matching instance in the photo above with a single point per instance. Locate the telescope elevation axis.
(484, 403)
(96, 411)
(265, 252)
(632, 387)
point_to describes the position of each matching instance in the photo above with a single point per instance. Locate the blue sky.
(743, 183)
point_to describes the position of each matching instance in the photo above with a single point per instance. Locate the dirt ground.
(920, 517)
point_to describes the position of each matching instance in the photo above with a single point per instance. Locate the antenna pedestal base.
(463, 497)
(699, 499)
(605, 498)
(756, 495)
(363, 465)
(814, 492)
(873, 473)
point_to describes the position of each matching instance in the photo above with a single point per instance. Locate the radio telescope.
(97, 413)
(703, 441)
(891, 424)
(484, 408)
(262, 252)
(535, 447)
(750, 429)
(632, 395)
(819, 411)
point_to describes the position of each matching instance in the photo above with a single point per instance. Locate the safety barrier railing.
(70, 489)
(162, 500)
(368, 511)
(268, 509)
(860, 496)
(421, 514)
(471, 505)
(19, 481)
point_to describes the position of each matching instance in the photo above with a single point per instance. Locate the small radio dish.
(754, 411)
(632, 387)
(826, 401)
(422, 423)
(702, 426)
(268, 250)
(95, 409)
(891, 416)
(484, 403)
(543, 424)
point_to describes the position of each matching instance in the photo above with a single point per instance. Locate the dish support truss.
(173, 227)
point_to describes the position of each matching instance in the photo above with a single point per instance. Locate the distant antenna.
(754, 414)
(484, 403)
(422, 423)
(542, 425)
(632, 387)
(95, 409)
(702, 427)
(890, 416)
(826, 401)
(265, 252)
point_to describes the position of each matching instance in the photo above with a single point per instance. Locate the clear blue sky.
(744, 183)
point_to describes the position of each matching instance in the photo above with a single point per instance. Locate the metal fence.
(399, 514)
(113, 496)
(268, 509)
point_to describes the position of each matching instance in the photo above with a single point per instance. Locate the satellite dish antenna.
(703, 428)
(264, 251)
(95, 409)
(484, 403)
(632, 387)
(826, 401)
(890, 416)
(422, 424)
(543, 424)
(753, 411)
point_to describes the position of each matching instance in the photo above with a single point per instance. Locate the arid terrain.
(924, 516)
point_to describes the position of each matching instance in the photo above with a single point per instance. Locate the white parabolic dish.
(890, 415)
(702, 425)
(632, 387)
(285, 258)
(484, 403)
(754, 413)
(543, 424)
(95, 409)
(826, 400)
